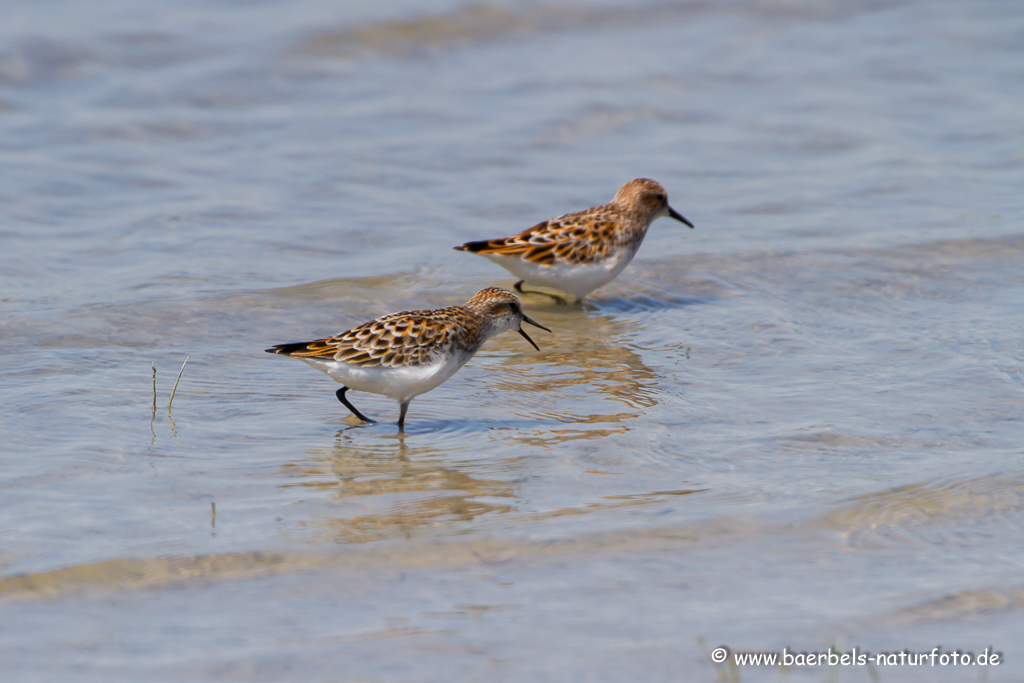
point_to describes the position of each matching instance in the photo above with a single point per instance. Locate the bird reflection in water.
(586, 366)
(394, 490)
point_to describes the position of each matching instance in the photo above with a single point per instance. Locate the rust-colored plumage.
(408, 338)
(583, 237)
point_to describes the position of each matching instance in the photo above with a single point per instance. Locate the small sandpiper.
(403, 355)
(579, 252)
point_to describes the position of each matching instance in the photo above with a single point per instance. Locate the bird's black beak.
(526, 319)
(672, 213)
(527, 338)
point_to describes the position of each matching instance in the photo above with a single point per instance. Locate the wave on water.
(478, 23)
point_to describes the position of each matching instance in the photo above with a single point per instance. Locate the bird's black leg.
(519, 288)
(341, 397)
(401, 415)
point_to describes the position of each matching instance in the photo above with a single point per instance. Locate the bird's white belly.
(576, 279)
(401, 383)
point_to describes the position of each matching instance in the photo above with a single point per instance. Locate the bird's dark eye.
(514, 307)
(659, 197)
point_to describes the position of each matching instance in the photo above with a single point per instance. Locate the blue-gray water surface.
(799, 425)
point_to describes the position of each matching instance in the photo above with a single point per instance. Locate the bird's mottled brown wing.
(576, 238)
(406, 338)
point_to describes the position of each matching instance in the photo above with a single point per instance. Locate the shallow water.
(798, 425)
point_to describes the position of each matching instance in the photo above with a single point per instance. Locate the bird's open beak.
(526, 319)
(678, 216)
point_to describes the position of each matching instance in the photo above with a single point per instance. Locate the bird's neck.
(476, 328)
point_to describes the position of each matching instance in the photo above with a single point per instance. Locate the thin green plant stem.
(175, 384)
